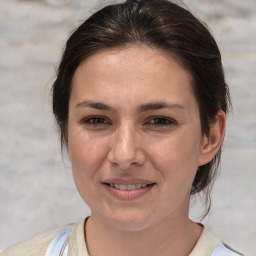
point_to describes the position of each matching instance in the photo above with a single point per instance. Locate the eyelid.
(87, 119)
(102, 120)
(163, 118)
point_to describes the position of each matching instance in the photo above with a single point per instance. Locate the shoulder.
(36, 245)
(225, 250)
(211, 245)
(206, 244)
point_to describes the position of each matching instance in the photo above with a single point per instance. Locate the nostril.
(124, 158)
(114, 164)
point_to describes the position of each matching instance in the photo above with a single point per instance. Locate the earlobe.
(212, 143)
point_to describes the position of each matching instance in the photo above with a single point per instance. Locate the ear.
(212, 143)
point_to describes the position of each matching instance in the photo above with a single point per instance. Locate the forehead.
(132, 71)
(134, 56)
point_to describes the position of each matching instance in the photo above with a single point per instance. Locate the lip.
(127, 181)
(127, 194)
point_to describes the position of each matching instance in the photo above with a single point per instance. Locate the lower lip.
(128, 194)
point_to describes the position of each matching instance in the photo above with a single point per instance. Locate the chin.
(129, 221)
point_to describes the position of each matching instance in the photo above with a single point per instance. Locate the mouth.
(128, 191)
(128, 187)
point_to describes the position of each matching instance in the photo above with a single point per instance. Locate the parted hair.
(158, 24)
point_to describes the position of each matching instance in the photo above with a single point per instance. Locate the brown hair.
(157, 24)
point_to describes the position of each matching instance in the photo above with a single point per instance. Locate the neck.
(177, 237)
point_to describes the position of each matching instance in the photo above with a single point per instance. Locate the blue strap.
(223, 250)
(59, 245)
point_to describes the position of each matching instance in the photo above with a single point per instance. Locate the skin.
(125, 137)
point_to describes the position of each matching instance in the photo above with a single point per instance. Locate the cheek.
(176, 157)
(86, 154)
(176, 148)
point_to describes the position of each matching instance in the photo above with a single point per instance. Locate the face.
(134, 137)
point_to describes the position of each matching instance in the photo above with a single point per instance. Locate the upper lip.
(127, 181)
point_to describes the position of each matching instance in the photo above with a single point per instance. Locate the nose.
(126, 150)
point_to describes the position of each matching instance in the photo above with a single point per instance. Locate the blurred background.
(36, 187)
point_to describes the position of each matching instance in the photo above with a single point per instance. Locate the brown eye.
(95, 120)
(160, 121)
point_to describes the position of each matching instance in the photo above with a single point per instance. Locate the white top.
(208, 244)
(70, 241)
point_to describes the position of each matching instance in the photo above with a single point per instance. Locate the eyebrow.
(95, 105)
(158, 105)
(141, 108)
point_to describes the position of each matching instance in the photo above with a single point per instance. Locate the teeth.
(123, 187)
(127, 187)
(138, 185)
(131, 187)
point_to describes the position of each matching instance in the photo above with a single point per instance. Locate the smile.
(128, 191)
(128, 186)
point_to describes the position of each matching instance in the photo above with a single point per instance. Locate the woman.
(141, 101)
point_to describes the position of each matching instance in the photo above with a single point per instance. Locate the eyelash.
(95, 120)
(154, 121)
(160, 121)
